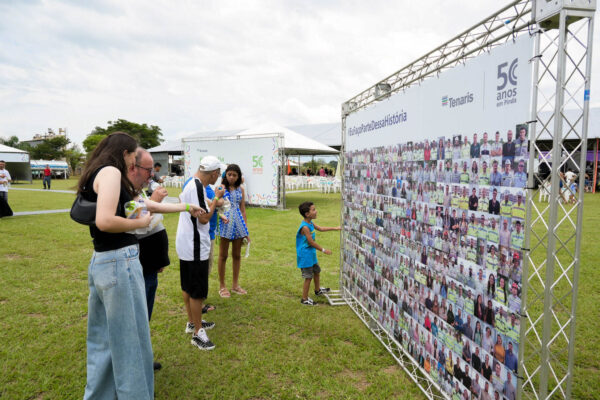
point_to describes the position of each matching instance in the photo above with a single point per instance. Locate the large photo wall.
(434, 222)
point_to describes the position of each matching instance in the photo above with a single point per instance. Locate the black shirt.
(487, 372)
(476, 362)
(106, 241)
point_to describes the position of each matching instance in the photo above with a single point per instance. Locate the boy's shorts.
(194, 278)
(307, 273)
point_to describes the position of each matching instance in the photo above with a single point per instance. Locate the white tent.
(293, 142)
(17, 162)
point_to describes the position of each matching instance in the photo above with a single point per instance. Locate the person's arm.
(327, 228)
(159, 194)
(306, 232)
(108, 187)
(243, 205)
(205, 217)
(163, 208)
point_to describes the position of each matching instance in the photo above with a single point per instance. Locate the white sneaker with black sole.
(308, 302)
(201, 340)
(190, 328)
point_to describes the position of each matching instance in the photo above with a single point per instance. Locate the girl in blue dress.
(234, 231)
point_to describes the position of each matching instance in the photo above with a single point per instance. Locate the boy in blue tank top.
(306, 251)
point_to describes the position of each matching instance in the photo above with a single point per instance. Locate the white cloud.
(193, 66)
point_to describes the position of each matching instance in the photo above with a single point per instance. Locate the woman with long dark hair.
(234, 231)
(119, 352)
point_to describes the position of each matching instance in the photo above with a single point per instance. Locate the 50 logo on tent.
(257, 165)
(257, 161)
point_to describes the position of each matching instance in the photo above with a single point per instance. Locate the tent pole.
(595, 165)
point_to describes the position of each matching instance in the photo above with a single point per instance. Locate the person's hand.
(219, 192)
(159, 194)
(144, 220)
(328, 252)
(224, 219)
(196, 211)
(161, 270)
(337, 228)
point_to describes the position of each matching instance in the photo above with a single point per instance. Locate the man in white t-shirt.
(5, 179)
(193, 248)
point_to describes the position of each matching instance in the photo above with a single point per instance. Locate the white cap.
(210, 163)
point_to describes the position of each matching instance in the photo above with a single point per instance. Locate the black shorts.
(154, 251)
(194, 278)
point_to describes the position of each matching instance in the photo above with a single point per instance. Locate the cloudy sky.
(190, 66)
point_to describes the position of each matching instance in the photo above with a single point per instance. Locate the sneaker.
(322, 291)
(308, 302)
(202, 341)
(190, 328)
(207, 325)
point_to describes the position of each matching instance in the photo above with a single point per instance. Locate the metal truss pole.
(552, 220)
(554, 238)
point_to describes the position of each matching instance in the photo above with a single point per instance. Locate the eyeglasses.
(149, 170)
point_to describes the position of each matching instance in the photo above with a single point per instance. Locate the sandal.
(223, 292)
(207, 308)
(239, 290)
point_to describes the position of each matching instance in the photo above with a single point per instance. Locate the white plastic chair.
(544, 191)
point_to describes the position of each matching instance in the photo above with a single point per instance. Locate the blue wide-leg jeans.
(119, 352)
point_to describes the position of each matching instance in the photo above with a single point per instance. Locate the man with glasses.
(154, 245)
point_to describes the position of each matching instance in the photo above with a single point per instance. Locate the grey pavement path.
(301, 191)
(166, 200)
(40, 212)
(43, 190)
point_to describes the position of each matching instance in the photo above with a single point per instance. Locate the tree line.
(58, 147)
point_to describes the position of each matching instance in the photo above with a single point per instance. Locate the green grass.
(268, 345)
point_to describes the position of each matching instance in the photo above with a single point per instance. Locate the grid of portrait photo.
(432, 249)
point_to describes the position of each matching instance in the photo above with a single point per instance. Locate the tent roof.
(293, 142)
(329, 134)
(172, 146)
(8, 149)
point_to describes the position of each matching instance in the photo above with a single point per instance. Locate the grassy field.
(268, 345)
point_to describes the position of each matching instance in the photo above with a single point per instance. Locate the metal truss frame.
(480, 38)
(562, 81)
(561, 77)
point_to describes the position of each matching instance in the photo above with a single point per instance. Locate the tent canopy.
(17, 162)
(293, 142)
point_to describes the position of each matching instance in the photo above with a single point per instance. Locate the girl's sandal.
(238, 290)
(223, 292)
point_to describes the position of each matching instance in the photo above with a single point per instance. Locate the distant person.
(306, 251)
(322, 172)
(155, 179)
(5, 179)
(47, 177)
(234, 231)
